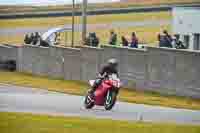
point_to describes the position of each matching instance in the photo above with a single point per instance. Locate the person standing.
(92, 40)
(32, 37)
(124, 41)
(36, 38)
(27, 39)
(167, 39)
(113, 38)
(178, 43)
(134, 41)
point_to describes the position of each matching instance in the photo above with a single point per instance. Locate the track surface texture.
(38, 101)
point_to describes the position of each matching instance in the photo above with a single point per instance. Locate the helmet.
(113, 62)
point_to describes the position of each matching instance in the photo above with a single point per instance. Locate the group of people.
(93, 40)
(35, 39)
(32, 38)
(133, 43)
(166, 40)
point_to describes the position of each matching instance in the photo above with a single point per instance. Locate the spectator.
(178, 43)
(161, 40)
(167, 39)
(36, 38)
(134, 41)
(44, 43)
(124, 41)
(31, 37)
(37, 34)
(57, 38)
(92, 40)
(27, 39)
(113, 38)
(87, 40)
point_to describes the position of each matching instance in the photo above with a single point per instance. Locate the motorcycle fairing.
(101, 92)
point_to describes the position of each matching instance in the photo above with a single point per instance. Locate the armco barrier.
(168, 71)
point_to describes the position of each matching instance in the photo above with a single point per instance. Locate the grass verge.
(12, 39)
(146, 35)
(94, 19)
(28, 123)
(80, 88)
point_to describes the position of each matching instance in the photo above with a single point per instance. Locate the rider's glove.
(101, 76)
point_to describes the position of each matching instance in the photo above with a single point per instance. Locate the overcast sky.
(48, 2)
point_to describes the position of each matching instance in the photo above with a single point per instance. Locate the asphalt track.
(37, 101)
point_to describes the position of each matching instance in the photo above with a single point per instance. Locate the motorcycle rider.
(110, 68)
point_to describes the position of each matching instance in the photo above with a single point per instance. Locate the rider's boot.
(94, 87)
(91, 92)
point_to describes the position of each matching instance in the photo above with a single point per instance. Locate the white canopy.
(50, 32)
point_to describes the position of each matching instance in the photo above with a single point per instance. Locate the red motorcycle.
(106, 93)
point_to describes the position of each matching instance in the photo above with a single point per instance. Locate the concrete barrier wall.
(133, 69)
(163, 70)
(132, 64)
(187, 73)
(19, 59)
(56, 62)
(8, 52)
(91, 62)
(172, 71)
(35, 60)
(72, 64)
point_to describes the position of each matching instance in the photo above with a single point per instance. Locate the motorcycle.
(105, 94)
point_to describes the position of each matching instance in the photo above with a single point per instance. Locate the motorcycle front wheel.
(110, 100)
(88, 103)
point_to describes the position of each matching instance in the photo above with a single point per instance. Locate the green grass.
(80, 88)
(146, 34)
(12, 39)
(96, 19)
(28, 123)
